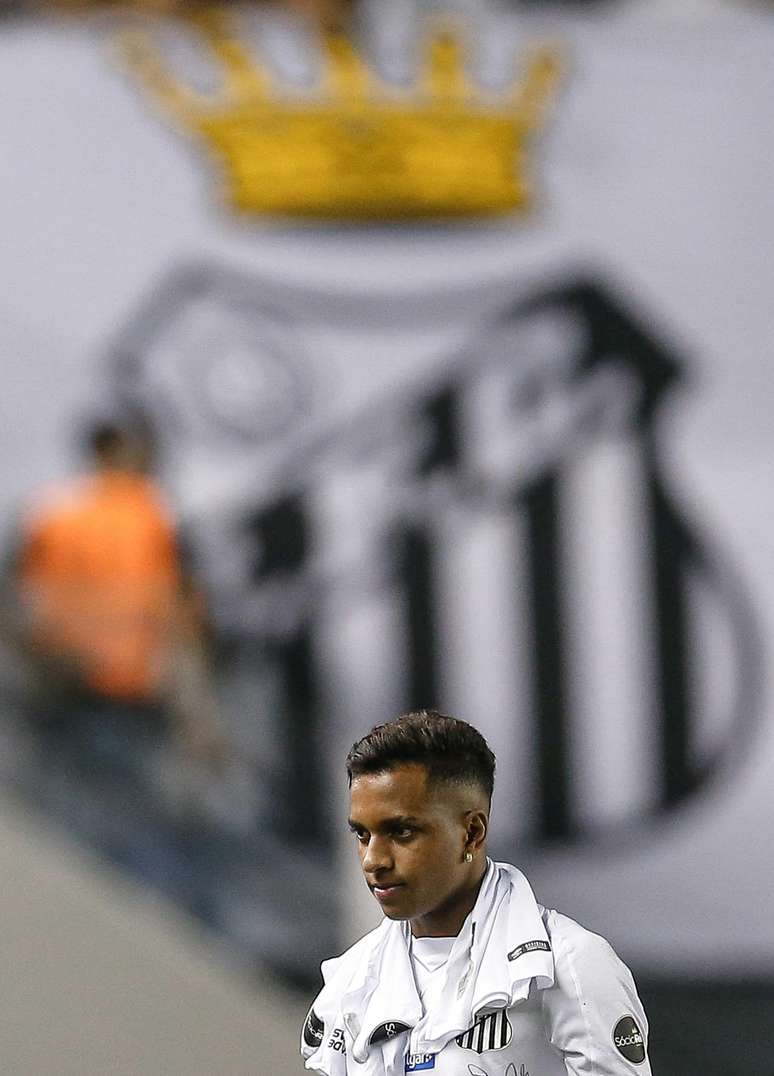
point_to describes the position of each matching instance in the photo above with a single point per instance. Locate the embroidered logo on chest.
(492, 1032)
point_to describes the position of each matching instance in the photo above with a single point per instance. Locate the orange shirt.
(100, 576)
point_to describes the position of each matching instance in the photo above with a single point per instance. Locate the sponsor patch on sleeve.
(629, 1040)
(314, 1029)
(529, 947)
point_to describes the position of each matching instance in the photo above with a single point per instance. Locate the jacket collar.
(501, 949)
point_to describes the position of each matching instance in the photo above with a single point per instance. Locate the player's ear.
(477, 827)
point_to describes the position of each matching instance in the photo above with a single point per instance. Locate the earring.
(468, 857)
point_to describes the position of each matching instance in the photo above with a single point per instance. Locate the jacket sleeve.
(312, 1034)
(323, 1045)
(593, 1015)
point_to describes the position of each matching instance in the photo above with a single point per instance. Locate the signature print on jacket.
(474, 1070)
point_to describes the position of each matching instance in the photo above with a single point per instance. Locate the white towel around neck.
(370, 991)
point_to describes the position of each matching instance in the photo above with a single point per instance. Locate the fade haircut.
(452, 750)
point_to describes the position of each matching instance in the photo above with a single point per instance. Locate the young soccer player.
(467, 975)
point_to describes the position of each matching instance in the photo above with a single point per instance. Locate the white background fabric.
(655, 171)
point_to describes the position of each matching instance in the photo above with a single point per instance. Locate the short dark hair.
(452, 750)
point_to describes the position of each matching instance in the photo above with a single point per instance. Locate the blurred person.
(467, 975)
(100, 607)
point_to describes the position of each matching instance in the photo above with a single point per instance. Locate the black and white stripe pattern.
(496, 536)
(492, 1032)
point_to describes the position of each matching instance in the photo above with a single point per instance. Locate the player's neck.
(446, 921)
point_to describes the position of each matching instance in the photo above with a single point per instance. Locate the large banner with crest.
(513, 465)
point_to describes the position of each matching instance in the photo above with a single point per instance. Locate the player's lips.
(384, 891)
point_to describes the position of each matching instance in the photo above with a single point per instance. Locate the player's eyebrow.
(389, 823)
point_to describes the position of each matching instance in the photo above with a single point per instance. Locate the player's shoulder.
(593, 1007)
(338, 974)
(586, 966)
(342, 966)
(580, 953)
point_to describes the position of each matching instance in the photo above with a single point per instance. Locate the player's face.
(412, 838)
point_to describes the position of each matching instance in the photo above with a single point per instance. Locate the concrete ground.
(99, 978)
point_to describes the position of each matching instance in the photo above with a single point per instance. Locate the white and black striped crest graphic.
(492, 1032)
(485, 524)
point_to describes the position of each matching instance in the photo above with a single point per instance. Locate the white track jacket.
(527, 992)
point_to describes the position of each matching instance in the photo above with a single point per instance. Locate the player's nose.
(377, 856)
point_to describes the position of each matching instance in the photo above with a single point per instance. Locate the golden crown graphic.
(360, 147)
